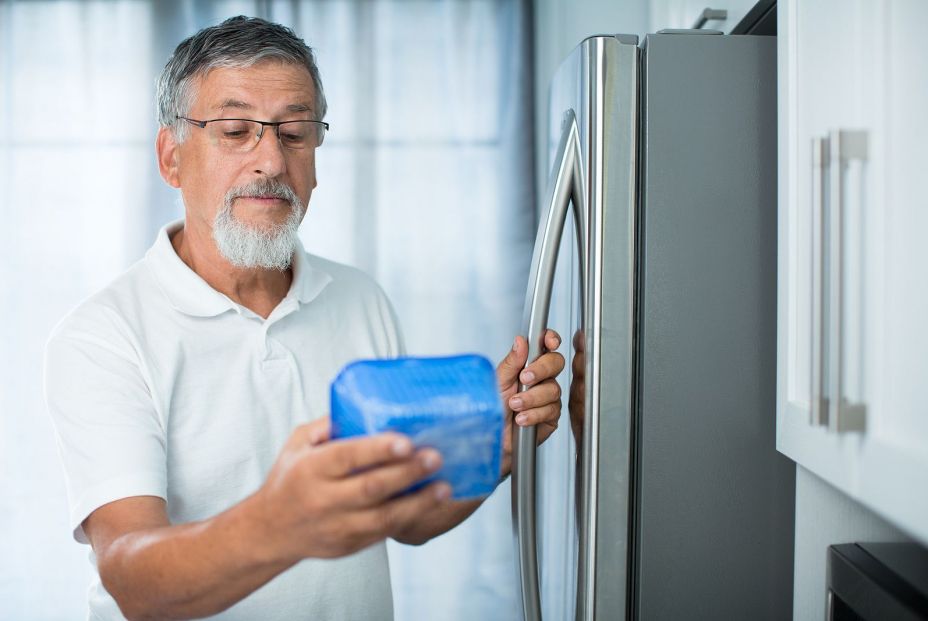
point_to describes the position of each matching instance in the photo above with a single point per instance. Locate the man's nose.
(268, 155)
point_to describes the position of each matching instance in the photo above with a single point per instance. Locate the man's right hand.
(327, 499)
(321, 499)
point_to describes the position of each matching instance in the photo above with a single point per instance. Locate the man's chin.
(263, 225)
(249, 252)
(262, 219)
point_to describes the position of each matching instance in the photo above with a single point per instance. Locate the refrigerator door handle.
(565, 186)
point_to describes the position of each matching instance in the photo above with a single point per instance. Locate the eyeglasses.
(242, 135)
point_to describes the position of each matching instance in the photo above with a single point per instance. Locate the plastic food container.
(450, 404)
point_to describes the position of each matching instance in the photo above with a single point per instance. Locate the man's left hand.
(540, 404)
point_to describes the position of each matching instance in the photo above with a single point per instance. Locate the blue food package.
(450, 404)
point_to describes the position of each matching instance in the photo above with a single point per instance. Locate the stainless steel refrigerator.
(665, 497)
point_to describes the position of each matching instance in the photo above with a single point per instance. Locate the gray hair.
(237, 42)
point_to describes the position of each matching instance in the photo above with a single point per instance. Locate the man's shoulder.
(345, 278)
(111, 308)
(355, 300)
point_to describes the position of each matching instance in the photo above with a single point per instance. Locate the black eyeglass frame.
(275, 124)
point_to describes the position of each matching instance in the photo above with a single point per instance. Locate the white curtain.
(424, 182)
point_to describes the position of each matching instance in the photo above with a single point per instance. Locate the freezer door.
(593, 119)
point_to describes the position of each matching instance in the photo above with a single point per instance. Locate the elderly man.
(190, 395)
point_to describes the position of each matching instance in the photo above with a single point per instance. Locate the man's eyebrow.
(234, 103)
(241, 105)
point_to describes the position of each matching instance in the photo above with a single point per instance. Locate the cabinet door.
(829, 69)
(900, 416)
(853, 263)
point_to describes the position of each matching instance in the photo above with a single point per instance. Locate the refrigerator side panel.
(611, 85)
(715, 499)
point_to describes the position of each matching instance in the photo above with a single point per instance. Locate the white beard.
(247, 247)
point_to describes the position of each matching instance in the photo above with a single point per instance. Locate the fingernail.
(515, 403)
(521, 419)
(402, 447)
(429, 460)
(515, 344)
(442, 491)
(527, 376)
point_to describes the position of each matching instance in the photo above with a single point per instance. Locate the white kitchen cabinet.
(853, 250)
(684, 13)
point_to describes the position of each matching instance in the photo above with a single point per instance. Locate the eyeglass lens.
(240, 135)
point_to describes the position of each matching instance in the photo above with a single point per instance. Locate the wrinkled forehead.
(269, 85)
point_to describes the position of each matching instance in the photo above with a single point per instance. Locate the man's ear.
(166, 148)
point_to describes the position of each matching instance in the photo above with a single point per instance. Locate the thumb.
(508, 370)
(315, 432)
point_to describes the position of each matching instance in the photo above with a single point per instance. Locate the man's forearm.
(190, 570)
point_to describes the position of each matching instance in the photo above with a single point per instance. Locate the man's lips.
(264, 199)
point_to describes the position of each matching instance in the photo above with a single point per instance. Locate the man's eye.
(239, 133)
(291, 137)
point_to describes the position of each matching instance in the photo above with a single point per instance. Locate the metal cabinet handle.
(844, 146)
(819, 407)
(566, 186)
(707, 14)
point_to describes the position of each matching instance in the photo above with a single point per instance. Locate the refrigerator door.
(594, 108)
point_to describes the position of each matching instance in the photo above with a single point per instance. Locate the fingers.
(525, 404)
(547, 414)
(547, 366)
(343, 457)
(398, 514)
(357, 529)
(513, 364)
(579, 341)
(552, 340)
(312, 433)
(578, 362)
(404, 510)
(374, 486)
(508, 370)
(319, 431)
(578, 365)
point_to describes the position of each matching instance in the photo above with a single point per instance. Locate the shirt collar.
(308, 280)
(190, 294)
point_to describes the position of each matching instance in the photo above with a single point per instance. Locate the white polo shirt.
(159, 385)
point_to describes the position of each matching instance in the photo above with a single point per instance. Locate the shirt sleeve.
(110, 438)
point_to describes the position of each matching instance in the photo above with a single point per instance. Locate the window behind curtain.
(424, 182)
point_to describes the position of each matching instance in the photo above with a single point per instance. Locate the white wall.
(825, 516)
(559, 26)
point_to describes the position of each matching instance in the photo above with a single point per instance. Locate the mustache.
(265, 187)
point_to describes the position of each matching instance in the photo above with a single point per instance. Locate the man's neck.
(258, 289)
